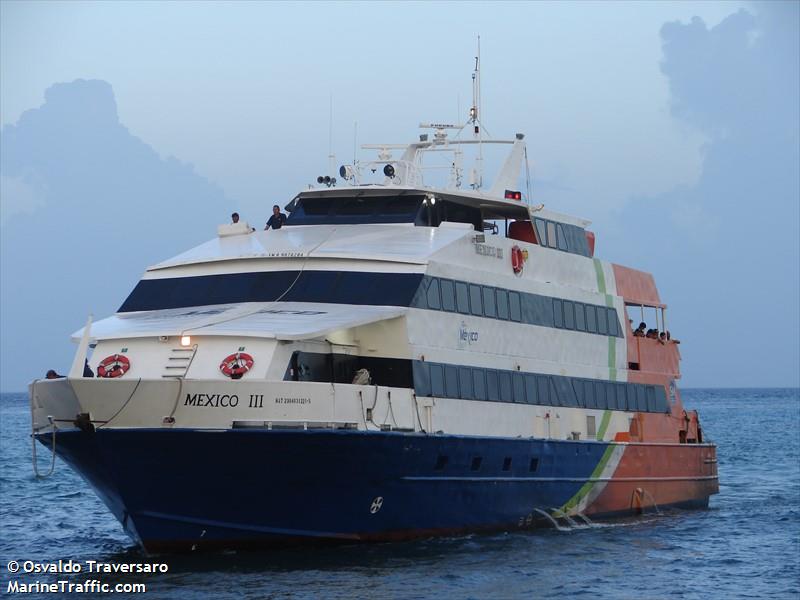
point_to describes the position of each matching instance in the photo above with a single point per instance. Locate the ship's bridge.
(429, 207)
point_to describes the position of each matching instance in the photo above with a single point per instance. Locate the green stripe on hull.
(587, 487)
(606, 419)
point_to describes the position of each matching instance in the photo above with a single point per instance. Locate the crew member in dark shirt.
(277, 219)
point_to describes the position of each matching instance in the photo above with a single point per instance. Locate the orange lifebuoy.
(517, 259)
(235, 365)
(112, 366)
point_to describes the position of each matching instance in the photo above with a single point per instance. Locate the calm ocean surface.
(746, 545)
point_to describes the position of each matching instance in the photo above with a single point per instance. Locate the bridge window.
(327, 208)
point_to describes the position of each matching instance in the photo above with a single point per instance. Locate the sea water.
(745, 545)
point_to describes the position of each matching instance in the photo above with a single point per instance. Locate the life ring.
(112, 366)
(235, 365)
(517, 260)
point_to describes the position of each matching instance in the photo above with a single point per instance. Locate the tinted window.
(401, 206)
(641, 399)
(451, 381)
(558, 314)
(611, 396)
(562, 239)
(519, 387)
(465, 381)
(462, 298)
(543, 389)
(600, 395)
(602, 320)
(432, 296)
(541, 232)
(588, 396)
(502, 304)
(569, 315)
(516, 308)
(631, 393)
(505, 387)
(577, 386)
(489, 303)
(651, 398)
(437, 380)
(555, 398)
(591, 317)
(551, 234)
(492, 385)
(479, 383)
(613, 324)
(356, 206)
(315, 206)
(448, 295)
(475, 300)
(621, 401)
(530, 389)
(355, 209)
(566, 395)
(580, 317)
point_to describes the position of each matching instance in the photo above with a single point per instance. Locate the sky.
(670, 125)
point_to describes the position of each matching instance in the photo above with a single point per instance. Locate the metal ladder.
(178, 362)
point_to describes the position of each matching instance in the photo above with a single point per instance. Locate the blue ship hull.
(182, 490)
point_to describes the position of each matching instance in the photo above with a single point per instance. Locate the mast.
(477, 172)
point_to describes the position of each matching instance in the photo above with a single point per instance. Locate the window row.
(476, 383)
(561, 236)
(448, 295)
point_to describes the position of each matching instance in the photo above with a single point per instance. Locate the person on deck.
(234, 218)
(277, 220)
(640, 330)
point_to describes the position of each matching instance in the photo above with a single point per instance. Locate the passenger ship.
(398, 360)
